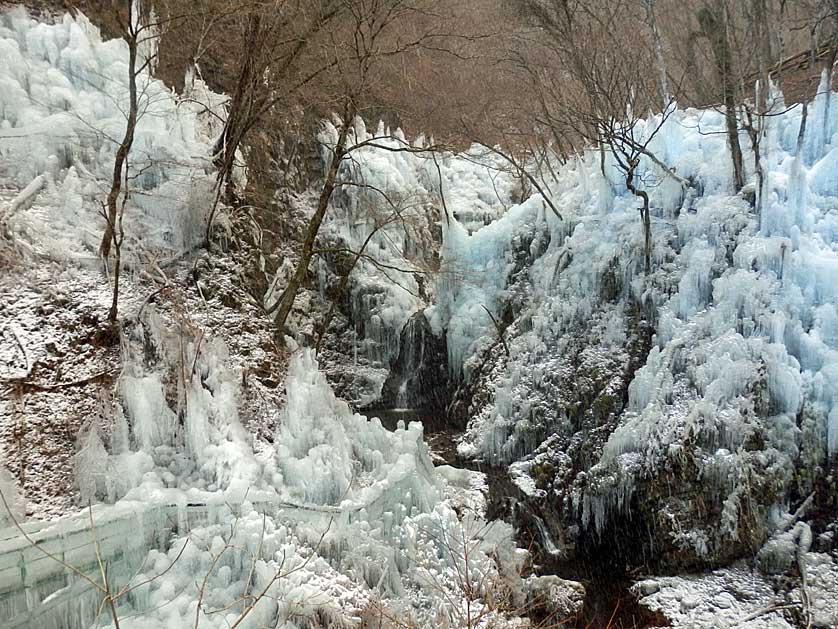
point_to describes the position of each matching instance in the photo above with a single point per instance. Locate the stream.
(608, 602)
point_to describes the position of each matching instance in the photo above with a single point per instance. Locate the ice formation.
(341, 515)
(390, 210)
(744, 350)
(342, 518)
(63, 95)
(345, 514)
(15, 504)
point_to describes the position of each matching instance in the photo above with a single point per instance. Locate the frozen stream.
(608, 599)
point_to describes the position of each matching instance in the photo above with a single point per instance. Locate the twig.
(197, 353)
(148, 298)
(768, 610)
(128, 589)
(36, 545)
(441, 192)
(499, 329)
(22, 349)
(106, 587)
(23, 384)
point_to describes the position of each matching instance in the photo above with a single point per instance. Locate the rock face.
(419, 376)
(555, 598)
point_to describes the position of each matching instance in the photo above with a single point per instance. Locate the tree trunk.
(754, 133)
(241, 104)
(830, 64)
(113, 312)
(644, 213)
(732, 127)
(649, 6)
(239, 120)
(801, 131)
(125, 146)
(286, 302)
(714, 28)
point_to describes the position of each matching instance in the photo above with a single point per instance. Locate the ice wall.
(62, 103)
(343, 514)
(742, 306)
(14, 506)
(393, 207)
(328, 455)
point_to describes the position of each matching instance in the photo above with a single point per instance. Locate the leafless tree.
(358, 46)
(602, 94)
(714, 26)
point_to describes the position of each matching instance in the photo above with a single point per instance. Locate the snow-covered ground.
(741, 597)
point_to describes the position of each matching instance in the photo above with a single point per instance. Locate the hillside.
(496, 401)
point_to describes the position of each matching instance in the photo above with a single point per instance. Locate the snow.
(341, 518)
(739, 597)
(722, 599)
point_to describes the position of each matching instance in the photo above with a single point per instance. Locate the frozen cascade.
(324, 451)
(401, 398)
(64, 94)
(475, 269)
(737, 307)
(346, 510)
(13, 496)
(382, 302)
(376, 517)
(418, 376)
(176, 432)
(744, 345)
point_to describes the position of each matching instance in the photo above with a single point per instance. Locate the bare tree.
(132, 32)
(277, 53)
(112, 211)
(339, 151)
(713, 21)
(652, 22)
(401, 213)
(358, 46)
(135, 34)
(601, 93)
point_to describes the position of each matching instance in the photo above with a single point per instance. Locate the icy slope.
(734, 331)
(362, 522)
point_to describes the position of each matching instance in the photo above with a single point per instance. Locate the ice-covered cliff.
(63, 107)
(697, 403)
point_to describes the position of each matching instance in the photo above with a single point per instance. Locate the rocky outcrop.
(554, 598)
(419, 377)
